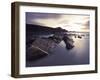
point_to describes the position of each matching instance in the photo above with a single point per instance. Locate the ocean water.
(78, 55)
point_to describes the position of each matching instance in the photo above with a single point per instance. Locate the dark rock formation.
(68, 41)
(38, 46)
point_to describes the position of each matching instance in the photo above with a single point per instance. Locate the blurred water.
(61, 56)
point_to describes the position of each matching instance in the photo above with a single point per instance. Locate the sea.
(78, 55)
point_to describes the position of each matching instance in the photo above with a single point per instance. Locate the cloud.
(59, 20)
(31, 17)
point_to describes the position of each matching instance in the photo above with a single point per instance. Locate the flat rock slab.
(35, 53)
(44, 44)
(39, 49)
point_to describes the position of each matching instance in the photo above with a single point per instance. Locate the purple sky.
(66, 21)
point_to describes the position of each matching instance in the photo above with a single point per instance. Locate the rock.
(69, 42)
(44, 44)
(35, 53)
(79, 36)
(40, 48)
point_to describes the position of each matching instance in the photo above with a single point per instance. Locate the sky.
(70, 22)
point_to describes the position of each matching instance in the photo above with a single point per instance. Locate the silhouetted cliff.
(42, 29)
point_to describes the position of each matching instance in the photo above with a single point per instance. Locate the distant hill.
(31, 28)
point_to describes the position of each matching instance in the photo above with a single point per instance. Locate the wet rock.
(69, 42)
(40, 48)
(35, 53)
(79, 36)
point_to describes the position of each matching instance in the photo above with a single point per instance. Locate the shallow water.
(61, 56)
